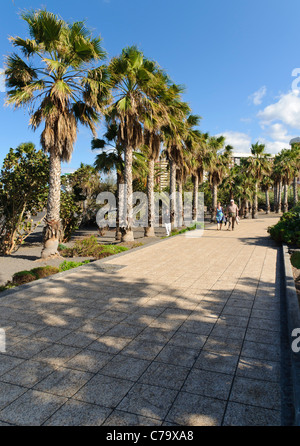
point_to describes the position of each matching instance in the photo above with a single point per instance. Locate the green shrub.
(65, 266)
(89, 247)
(287, 230)
(23, 277)
(44, 271)
(295, 259)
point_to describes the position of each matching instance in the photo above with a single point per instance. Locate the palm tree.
(135, 89)
(173, 136)
(218, 167)
(277, 180)
(296, 164)
(62, 88)
(287, 170)
(196, 144)
(152, 143)
(111, 158)
(258, 167)
(265, 186)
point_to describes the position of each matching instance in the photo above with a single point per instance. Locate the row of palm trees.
(261, 171)
(63, 81)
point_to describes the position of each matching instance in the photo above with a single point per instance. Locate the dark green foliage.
(23, 190)
(295, 259)
(23, 277)
(70, 214)
(287, 230)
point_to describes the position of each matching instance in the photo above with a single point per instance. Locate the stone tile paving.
(186, 333)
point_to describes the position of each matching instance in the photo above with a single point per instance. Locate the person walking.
(168, 224)
(232, 214)
(219, 217)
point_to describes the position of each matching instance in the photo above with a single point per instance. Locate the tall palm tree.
(135, 89)
(265, 186)
(152, 144)
(111, 158)
(258, 167)
(218, 167)
(61, 88)
(277, 175)
(296, 165)
(195, 142)
(286, 157)
(174, 134)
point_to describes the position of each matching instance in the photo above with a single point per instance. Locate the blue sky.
(236, 59)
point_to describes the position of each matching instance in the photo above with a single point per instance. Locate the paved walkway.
(187, 332)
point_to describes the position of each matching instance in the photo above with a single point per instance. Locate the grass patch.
(65, 266)
(189, 228)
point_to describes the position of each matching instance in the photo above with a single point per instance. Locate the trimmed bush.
(295, 259)
(23, 277)
(287, 230)
(44, 271)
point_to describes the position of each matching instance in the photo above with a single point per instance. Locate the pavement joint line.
(243, 341)
(205, 341)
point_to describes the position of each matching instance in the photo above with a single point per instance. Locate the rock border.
(293, 321)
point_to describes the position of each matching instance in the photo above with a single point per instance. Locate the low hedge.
(287, 230)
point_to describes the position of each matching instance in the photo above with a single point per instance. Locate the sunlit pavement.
(185, 332)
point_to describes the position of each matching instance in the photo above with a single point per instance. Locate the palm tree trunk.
(285, 197)
(250, 206)
(275, 196)
(180, 203)
(195, 197)
(254, 208)
(149, 230)
(279, 194)
(118, 234)
(267, 201)
(214, 201)
(295, 190)
(127, 232)
(172, 192)
(52, 231)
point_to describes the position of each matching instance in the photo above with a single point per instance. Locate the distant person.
(232, 214)
(168, 225)
(219, 217)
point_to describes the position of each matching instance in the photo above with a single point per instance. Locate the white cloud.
(274, 147)
(279, 132)
(241, 142)
(258, 96)
(286, 110)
